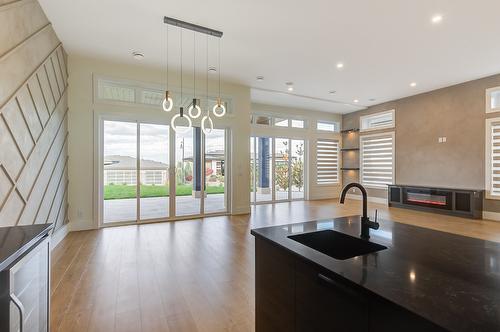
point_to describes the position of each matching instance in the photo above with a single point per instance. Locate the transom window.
(297, 123)
(493, 100)
(122, 91)
(265, 120)
(377, 121)
(327, 126)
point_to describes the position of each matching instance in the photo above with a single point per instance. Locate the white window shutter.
(377, 160)
(327, 161)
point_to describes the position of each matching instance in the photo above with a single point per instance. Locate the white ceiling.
(384, 44)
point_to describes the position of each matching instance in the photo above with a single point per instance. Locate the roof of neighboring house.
(115, 162)
(210, 156)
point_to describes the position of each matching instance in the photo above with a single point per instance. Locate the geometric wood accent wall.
(33, 118)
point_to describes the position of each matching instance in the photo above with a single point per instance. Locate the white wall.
(82, 125)
(309, 134)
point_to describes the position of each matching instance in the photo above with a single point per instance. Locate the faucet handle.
(376, 215)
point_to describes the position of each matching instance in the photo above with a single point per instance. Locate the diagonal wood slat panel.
(20, 29)
(18, 65)
(33, 118)
(30, 114)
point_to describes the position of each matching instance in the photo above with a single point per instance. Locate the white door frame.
(273, 185)
(99, 119)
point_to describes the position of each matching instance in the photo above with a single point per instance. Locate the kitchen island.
(424, 280)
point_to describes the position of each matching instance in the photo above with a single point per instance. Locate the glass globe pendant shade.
(194, 106)
(181, 129)
(206, 130)
(167, 102)
(219, 109)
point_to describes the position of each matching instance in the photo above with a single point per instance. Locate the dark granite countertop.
(16, 240)
(450, 280)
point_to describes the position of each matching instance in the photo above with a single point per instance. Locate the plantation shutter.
(377, 160)
(494, 183)
(327, 161)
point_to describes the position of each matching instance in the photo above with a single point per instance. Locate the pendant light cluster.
(194, 110)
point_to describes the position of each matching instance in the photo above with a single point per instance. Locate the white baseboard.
(241, 210)
(488, 215)
(59, 236)
(378, 200)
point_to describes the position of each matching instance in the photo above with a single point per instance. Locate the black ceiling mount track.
(191, 26)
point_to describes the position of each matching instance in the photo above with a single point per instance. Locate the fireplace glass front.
(428, 197)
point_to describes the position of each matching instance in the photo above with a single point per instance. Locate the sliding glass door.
(215, 171)
(281, 169)
(120, 171)
(154, 167)
(177, 175)
(187, 172)
(277, 169)
(297, 163)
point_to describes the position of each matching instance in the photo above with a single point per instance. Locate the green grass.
(122, 192)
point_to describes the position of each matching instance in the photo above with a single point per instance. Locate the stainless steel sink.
(337, 245)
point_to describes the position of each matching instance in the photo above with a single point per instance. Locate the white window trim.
(361, 155)
(139, 87)
(488, 100)
(487, 163)
(335, 124)
(391, 125)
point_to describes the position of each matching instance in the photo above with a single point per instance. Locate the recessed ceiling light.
(212, 70)
(356, 101)
(138, 55)
(340, 65)
(332, 92)
(437, 18)
(289, 86)
(260, 78)
(413, 84)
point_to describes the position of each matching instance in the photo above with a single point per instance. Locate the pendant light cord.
(181, 68)
(219, 70)
(194, 64)
(208, 109)
(167, 60)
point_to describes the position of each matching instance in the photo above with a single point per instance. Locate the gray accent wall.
(456, 112)
(33, 118)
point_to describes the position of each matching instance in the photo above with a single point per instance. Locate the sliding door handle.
(19, 306)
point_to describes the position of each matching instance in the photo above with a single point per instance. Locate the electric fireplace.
(428, 197)
(460, 202)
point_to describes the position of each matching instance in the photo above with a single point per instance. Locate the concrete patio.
(158, 207)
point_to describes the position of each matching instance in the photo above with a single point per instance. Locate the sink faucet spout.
(366, 224)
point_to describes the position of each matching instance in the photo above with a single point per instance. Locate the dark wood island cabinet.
(419, 283)
(294, 295)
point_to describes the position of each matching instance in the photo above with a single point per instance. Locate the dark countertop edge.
(6, 263)
(344, 279)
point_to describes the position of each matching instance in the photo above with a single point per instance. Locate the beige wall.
(84, 112)
(33, 125)
(309, 134)
(456, 112)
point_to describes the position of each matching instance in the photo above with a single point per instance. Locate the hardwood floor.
(195, 275)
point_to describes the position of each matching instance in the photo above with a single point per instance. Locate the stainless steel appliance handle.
(19, 306)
